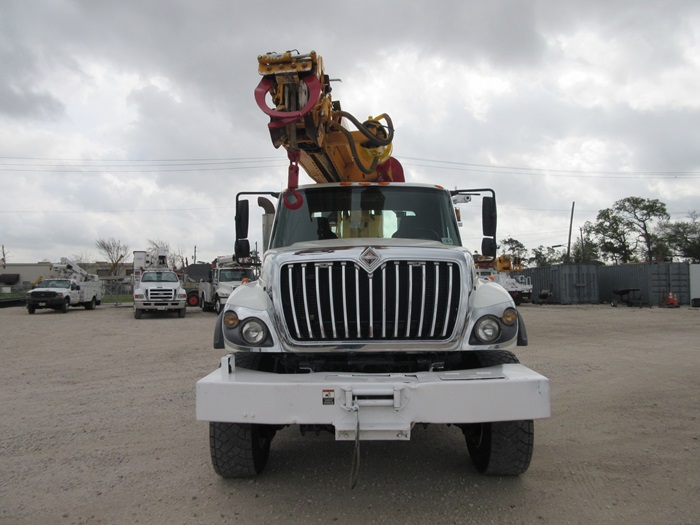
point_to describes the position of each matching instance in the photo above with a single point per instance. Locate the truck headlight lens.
(254, 332)
(231, 319)
(139, 296)
(509, 317)
(487, 329)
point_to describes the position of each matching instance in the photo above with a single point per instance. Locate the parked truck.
(224, 276)
(157, 288)
(70, 286)
(502, 270)
(368, 317)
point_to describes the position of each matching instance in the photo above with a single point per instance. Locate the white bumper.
(385, 406)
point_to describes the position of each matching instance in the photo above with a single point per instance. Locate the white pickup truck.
(61, 294)
(159, 290)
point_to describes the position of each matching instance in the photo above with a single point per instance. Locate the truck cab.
(367, 319)
(159, 290)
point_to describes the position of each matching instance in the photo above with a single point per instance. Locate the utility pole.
(571, 222)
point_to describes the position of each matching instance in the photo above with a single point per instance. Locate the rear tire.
(239, 450)
(91, 305)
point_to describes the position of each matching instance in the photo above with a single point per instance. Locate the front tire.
(65, 306)
(31, 308)
(138, 314)
(239, 450)
(182, 312)
(500, 448)
(217, 305)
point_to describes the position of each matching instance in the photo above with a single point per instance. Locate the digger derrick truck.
(225, 275)
(157, 288)
(368, 316)
(72, 286)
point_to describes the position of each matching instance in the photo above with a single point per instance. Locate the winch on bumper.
(383, 406)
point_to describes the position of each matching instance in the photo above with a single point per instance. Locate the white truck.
(519, 286)
(72, 286)
(225, 275)
(368, 316)
(157, 288)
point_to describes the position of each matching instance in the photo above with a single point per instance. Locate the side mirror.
(489, 247)
(489, 217)
(242, 248)
(242, 214)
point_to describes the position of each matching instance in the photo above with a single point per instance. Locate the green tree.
(616, 240)
(640, 215)
(682, 237)
(545, 256)
(585, 248)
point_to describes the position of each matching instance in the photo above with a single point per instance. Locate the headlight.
(509, 317)
(139, 296)
(231, 319)
(182, 295)
(487, 329)
(254, 332)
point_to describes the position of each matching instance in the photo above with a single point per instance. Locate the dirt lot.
(97, 425)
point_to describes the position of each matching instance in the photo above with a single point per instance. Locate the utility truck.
(72, 286)
(157, 288)
(368, 317)
(225, 275)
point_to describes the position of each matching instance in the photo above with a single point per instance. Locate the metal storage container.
(653, 282)
(564, 283)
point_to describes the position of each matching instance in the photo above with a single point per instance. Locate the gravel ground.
(97, 425)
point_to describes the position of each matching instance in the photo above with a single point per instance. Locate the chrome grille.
(161, 294)
(416, 300)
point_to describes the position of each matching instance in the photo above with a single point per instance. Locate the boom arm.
(310, 125)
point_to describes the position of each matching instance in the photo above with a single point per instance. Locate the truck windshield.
(159, 277)
(231, 274)
(359, 212)
(58, 283)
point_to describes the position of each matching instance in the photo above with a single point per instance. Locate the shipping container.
(564, 284)
(650, 284)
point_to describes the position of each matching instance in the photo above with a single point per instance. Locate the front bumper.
(52, 302)
(384, 406)
(160, 305)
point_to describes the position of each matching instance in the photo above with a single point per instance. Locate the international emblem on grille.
(370, 259)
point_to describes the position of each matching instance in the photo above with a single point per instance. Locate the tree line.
(632, 230)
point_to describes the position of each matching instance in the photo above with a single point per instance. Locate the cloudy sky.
(135, 120)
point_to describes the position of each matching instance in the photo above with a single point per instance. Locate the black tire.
(138, 314)
(65, 306)
(193, 299)
(182, 312)
(91, 305)
(239, 450)
(486, 358)
(502, 448)
(217, 305)
(31, 308)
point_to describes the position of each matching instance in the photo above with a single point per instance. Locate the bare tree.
(176, 258)
(114, 251)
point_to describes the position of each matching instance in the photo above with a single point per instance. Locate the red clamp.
(293, 182)
(280, 119)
